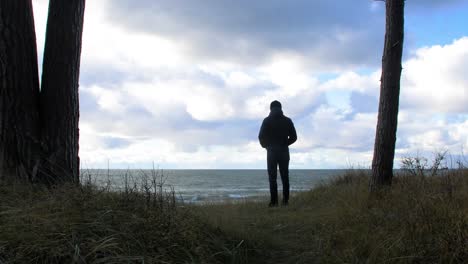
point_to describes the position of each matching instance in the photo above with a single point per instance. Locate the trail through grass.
(420, 219)
(417, 220)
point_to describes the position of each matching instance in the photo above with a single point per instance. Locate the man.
(276, 134)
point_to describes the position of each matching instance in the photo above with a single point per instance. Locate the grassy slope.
(84, 225)
(418, 220)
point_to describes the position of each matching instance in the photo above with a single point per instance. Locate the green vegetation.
(420, 219)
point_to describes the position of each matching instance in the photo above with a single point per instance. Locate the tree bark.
(19, 91)
(384, 148)
(59, 92)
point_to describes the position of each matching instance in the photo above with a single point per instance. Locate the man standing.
(276, 134)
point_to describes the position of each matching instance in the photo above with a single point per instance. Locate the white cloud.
(251, 32)
(336, 158)
(329, 135)
(435, 79)
(330, 127)
(149, 96)
(107, 99)
(239, 79)
(352, 81)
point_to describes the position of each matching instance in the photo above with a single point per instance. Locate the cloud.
(329, 127)
(435, 78)
(186, 84)
(252, 31)
(335, 117)
(425, 4)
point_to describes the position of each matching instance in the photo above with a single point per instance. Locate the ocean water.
(208, 185)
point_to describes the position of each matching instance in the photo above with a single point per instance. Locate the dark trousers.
(275, 158)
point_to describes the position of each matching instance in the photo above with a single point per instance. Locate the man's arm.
(292, 137)
(262, 136)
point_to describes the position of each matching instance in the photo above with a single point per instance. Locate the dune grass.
(417, 220)
(420, 219)
(87, 225)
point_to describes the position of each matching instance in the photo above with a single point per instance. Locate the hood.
(276, 112)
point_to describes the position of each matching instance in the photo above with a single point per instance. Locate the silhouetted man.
(276, 134)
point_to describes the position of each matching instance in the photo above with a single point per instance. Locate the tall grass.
(421, 218)
(140, 224)
(417, 220)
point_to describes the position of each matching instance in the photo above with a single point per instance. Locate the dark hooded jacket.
(277, 130)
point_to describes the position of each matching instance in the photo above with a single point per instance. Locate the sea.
(198, 186)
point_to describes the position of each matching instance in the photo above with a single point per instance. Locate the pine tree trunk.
(59, 91)
(19, 91)
(384, 148)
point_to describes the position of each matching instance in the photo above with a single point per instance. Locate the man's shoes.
(272, 204)
(284, 203)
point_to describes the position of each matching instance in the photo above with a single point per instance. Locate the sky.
(182, 84)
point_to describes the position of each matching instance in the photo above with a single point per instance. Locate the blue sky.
(186, 85)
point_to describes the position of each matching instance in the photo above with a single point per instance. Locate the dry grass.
(417, 220)
(87, 225)
(420, 219)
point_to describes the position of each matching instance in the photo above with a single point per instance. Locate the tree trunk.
(19, 91)
(59, 92)
(384, 148)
